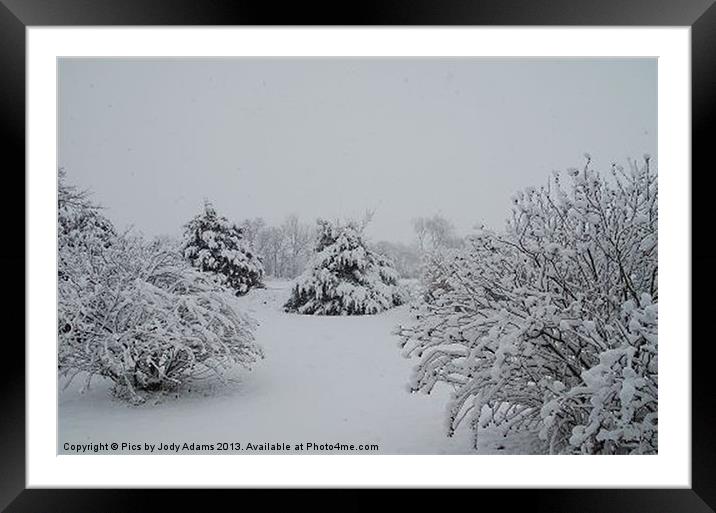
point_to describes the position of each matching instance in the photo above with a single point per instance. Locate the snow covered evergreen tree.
(213, 244)
(551, 325)
(344, 276)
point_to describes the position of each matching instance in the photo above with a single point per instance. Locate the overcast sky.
(333, 137)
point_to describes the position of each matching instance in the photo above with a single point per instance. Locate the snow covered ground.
(324, 380)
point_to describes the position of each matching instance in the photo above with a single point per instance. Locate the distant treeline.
(286, 249)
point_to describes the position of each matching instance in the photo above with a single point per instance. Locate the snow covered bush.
(435, 271)
(345, 277)
(551, 325)
(438, 245)
(136, 312)
(213, 244)
(139, 315)
(80, 223)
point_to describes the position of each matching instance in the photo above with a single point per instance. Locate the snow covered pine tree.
(344, 276)
(136, 312)
(213, 244)
(551, 326)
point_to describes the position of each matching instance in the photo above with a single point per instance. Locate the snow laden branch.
(137, 313)
(551, 325)
(80, 223)
(345, 277)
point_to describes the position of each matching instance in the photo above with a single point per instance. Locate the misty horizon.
(331, 138)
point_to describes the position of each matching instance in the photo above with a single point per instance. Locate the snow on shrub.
(345, 277)
(213, 244)
(79, 222)
(139, 315)
(136, 312)
(551, 325)
(434, 271)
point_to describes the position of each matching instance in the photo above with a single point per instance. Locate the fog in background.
(267, 137)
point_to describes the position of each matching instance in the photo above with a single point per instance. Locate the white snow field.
(324, 380)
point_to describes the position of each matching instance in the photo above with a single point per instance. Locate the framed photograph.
(418, 249)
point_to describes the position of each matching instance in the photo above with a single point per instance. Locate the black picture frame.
(16, 15)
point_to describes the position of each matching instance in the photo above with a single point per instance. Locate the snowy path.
(324, 380)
